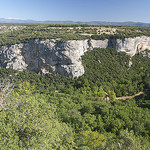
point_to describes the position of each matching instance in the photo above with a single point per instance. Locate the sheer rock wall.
(63, 57)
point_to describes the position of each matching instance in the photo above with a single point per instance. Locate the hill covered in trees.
(55, 112)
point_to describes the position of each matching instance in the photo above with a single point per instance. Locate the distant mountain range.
(4, 20)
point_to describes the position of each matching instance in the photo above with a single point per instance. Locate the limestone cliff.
(63, 57)
(46, 56)
(133, 46)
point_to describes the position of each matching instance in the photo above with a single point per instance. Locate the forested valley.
(55, 112)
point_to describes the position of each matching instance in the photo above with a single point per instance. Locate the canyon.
(64, 57)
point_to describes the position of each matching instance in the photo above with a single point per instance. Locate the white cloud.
(15, 18)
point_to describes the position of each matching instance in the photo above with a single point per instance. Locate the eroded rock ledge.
(63, 57)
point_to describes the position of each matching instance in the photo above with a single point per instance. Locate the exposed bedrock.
(63, 57)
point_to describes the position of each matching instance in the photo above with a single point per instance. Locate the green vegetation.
(38, 32)
(36, 116)
(110, 69)
(54, 112)
(22, 33)
(124, 32)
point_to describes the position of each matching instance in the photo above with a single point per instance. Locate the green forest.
(55, 112)
(22, 33)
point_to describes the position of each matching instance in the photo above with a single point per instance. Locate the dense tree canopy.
(110, 69)
(42, 113)
(55, 112)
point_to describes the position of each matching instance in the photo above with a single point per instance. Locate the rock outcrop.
(133, 46)
(46, 56)
(63, 57)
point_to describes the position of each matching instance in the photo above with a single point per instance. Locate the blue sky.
(77, 10)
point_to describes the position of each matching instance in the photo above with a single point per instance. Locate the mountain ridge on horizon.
(127, 23)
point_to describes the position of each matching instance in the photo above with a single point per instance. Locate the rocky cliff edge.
(63, 57)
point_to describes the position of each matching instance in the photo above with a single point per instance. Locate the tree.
(90, 139)
(101, 93)
(30, 122)
(112, 95)
(6, 87)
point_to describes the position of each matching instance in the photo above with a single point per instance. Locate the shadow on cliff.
(42, 59)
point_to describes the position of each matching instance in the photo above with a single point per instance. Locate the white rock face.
(133, 46)
(55, 56)
(99, 43)
(46, 56)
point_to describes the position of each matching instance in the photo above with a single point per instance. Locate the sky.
(77, 10)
